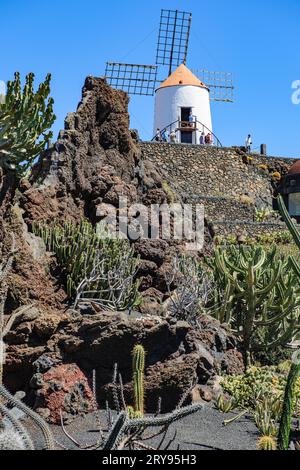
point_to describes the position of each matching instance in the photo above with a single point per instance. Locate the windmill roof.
(182, 76)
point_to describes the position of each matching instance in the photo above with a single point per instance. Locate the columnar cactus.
(288, 403)
(138, 367)
(97, 267)
(288, 407)
(260, 296)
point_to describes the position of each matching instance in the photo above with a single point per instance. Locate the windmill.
(182, 101)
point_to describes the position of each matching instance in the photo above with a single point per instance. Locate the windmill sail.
(220, 84)
(135, 79)
(173, 38)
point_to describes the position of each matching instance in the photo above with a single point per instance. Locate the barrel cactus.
(266, 443)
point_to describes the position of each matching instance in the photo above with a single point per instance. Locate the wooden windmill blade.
(134, 79)
(220, 84)
(173, 38)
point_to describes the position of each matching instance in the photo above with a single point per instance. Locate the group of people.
(206, 139)
(165, 136)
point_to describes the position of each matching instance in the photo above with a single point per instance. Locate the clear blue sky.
(256, 40)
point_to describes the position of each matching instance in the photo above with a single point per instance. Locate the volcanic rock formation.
(95, 160)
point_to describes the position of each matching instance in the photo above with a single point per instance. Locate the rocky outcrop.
(176, 355)
(95, 160)
(62, 391)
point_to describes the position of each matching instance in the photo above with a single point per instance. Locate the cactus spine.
(266, 443)
(138, 367)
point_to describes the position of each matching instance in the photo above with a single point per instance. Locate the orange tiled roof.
(182, 76)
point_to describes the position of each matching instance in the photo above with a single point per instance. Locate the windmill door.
(185, 126)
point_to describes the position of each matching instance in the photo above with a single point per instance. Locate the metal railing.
(185, 126)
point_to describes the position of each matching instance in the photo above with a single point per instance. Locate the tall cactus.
(288, 406)
(263, 296)
(138, 367)
(288, 403)
(25, 117)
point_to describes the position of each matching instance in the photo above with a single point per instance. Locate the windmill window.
(185, 113)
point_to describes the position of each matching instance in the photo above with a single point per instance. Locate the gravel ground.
(203, 431)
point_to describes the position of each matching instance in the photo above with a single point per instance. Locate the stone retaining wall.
(229, 184)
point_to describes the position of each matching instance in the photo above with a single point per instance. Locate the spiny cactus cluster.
(96, 267)
(259, 383)
(258, 295)
(125, 427)
(266, 443)
(25, 117)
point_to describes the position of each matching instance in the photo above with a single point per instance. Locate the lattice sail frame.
(172, 47)
(135, 79)
(220, 84)
(173, 38)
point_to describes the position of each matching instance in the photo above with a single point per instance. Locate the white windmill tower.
(182, 105)
(182, 101)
